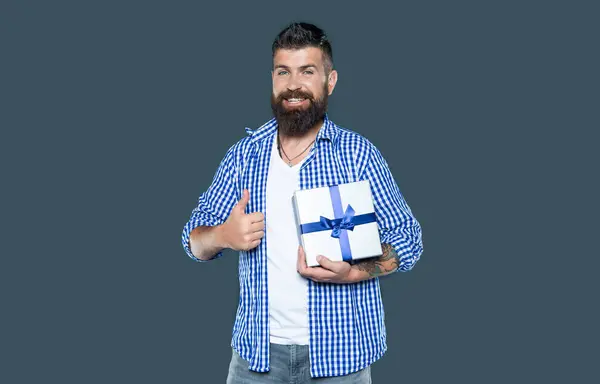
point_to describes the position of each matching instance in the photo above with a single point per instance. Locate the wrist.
(219, 237)
(355, 275)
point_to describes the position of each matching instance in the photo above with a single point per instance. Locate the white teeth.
(295, 100)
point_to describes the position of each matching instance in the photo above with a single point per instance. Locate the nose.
(293, 83)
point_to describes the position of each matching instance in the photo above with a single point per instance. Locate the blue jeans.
(290, 365)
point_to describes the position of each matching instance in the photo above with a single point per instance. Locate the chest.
(323, 166)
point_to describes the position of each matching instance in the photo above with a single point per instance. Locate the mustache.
(294, 95)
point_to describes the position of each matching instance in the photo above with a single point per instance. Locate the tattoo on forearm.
(381, 265)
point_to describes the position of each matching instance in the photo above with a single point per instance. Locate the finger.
(256, 217)
(254, 244)
(324, 262)
(256, 235)
(319, 274)
(243, 202)
(259, 226)
(301, 263)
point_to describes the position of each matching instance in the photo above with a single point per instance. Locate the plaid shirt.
(346, 321)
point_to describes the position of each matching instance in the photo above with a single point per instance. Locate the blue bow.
(338, 224)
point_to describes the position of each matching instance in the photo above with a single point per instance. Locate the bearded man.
(296, 323)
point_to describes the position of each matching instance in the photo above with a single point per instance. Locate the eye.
(309, 72)
(282, 72)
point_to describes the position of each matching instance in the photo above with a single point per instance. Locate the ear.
(273, 79)
(331, 81)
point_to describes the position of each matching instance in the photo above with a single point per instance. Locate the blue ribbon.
(343, 221)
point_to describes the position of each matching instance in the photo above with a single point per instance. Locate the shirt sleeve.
(398, 226)
(214, 204)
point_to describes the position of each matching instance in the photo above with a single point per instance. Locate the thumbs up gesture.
(243, 231)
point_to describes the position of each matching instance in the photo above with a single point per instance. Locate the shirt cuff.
(197, 220)
(409, 250)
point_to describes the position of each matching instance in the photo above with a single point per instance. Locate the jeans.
(290, 365)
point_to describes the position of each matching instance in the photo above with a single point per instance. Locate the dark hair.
(300, 35)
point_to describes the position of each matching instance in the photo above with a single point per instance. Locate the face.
(301, 88)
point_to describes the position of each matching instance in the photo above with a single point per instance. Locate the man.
(296, 323)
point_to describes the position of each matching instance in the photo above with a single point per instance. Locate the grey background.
(115, 115)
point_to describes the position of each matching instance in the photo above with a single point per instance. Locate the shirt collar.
(327, 132)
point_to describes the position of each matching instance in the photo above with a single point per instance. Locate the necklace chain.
(280, 148)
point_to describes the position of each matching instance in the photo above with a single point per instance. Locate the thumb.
(241, 205)
(327, 263)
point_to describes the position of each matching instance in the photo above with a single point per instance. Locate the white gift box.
(337, 222)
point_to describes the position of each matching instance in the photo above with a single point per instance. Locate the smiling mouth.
(295, 101)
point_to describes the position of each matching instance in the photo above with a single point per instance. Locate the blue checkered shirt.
(346, 321)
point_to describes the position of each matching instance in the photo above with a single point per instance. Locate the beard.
(298, 121)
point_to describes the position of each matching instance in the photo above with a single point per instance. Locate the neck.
(293, 149)
(298, 140)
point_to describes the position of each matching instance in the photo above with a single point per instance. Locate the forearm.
(375, 267)
(206, 241)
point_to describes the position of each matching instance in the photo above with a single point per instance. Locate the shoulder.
(237, 152)
(352, 143)
(244, 148)
(360, 154)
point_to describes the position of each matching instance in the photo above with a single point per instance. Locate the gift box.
(337, 222)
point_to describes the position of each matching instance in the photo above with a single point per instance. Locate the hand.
(243, 231)
(328, 272)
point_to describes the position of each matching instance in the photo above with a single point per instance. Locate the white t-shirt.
(288, 291)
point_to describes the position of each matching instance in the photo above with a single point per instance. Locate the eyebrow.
(302, 67)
